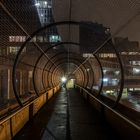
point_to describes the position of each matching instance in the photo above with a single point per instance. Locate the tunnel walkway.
(67, 116)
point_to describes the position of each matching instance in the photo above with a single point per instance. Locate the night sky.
(115, 14)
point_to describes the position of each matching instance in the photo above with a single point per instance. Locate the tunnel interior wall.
(12, 124)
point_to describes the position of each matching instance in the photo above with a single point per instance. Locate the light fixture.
(63, 79)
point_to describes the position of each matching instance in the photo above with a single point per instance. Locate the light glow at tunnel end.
(63, 79)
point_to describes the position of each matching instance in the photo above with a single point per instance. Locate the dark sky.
(111, 13)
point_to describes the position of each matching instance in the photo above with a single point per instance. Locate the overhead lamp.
(63, 79)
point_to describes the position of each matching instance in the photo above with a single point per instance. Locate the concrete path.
(67, 117)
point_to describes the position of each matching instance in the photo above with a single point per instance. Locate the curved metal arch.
(78, 44)
(102, 75)
(48, 26)
(74, 62)
(56, 69)
(81, 80)
(58, 44)
(42, 75)
(122, 74)
(58, 64)
(85, 69)
(56, 72)
(48, 62)
(61, 58)
(22, 47)
(56, 77)
(79, 63)
(47, 77)
(122, 77)
(46, 65)
(55, 45)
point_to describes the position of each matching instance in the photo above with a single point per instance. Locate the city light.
(104, 71)
(49, 6)
(37, 4)
(45, 2)
(117, 72)
(105, 80)
(88, 69)
(136, 70)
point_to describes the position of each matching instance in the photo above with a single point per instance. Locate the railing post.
(31, 111)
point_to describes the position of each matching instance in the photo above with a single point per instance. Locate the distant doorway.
(70, 83)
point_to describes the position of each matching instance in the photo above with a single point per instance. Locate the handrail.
(127, 120)
(19, 109)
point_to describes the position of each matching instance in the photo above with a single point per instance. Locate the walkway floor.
(67, 117)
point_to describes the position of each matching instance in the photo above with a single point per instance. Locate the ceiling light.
(63, 79)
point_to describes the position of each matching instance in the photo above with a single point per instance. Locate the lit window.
(37, 4)
(136, 70)
(11, 38)
(117, 72)
(14, 50)
(87, 55)
(105, 80)
(130, 53)
(134, 63)
(54, 38)
(107, 55)
(17, 38)
(23, 38)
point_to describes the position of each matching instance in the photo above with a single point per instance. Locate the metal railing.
(108, 107)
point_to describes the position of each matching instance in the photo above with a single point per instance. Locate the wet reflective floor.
(67, 117)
